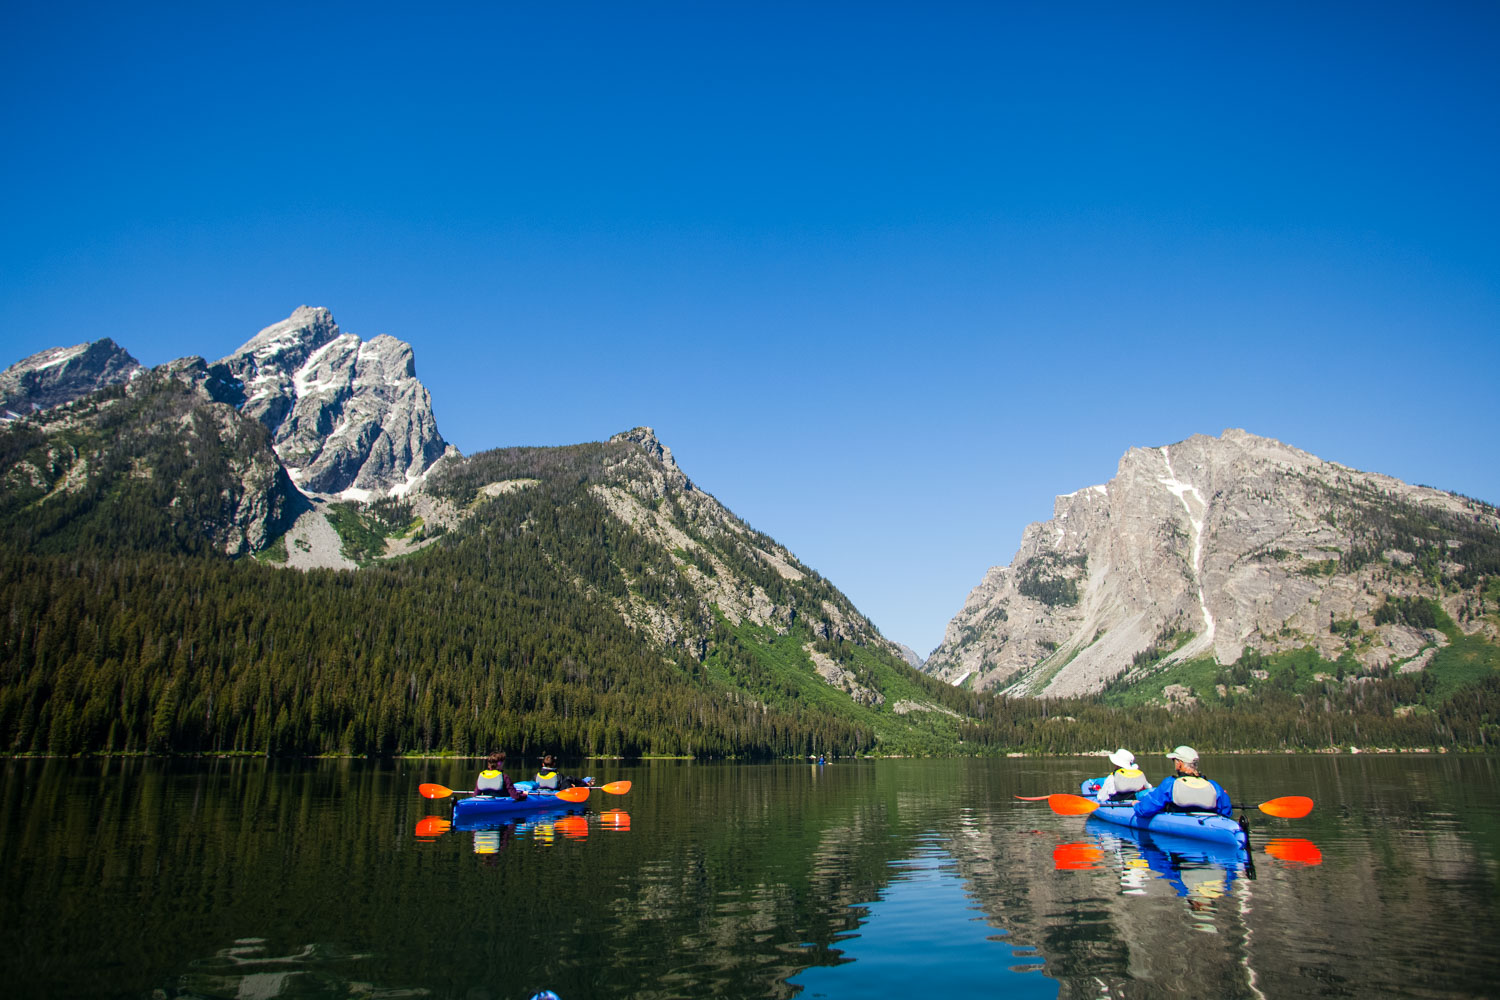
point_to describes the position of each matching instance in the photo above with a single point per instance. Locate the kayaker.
(548, 776)
(1186, 790)
(1125, 781)
(494, 781)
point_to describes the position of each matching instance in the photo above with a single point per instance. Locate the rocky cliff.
(346, 416)
(61, 375)
(1210, 546)
(155, 464)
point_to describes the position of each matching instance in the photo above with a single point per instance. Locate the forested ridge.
(127, 630)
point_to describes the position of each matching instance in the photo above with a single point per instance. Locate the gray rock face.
(910, 655)
(346, 416)
(1201, 548)
(61, 375)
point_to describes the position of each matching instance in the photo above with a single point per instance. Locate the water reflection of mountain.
(731, 880)
(1135, 920)
(1400, 900)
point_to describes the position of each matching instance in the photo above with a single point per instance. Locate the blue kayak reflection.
(1197, 870)
(545, 827)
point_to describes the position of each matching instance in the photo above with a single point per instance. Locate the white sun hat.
(1122, 758)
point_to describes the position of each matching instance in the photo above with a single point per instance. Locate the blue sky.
(885, 277)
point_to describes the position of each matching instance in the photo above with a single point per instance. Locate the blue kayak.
(1196, 825)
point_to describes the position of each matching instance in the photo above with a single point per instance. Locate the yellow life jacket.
(546, 779)
(1190, 791)
(490, 781)
(1129, 780)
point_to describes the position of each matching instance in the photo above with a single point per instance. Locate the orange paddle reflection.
(615, 819)
(432, 826)
(1294, 850)
(1076, 857)
(572, 827)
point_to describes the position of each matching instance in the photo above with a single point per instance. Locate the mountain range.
(594, 599)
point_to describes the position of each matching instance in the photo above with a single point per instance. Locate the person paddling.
(1186, 790)
(494, 781)
(1125, 782)
(549, 778)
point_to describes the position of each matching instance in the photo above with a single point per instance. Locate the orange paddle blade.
(432, 826)
(573, 795)
(1295, 850)
(434, 791)
(1288, 806)
(616, 787)
(1071, 805)
(1076, 857)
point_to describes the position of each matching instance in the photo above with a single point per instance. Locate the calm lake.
(257, 880)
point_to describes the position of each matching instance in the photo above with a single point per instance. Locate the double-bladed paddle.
(1286, 807)
(578, 793)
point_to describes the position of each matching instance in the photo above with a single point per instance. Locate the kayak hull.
(1209, 827)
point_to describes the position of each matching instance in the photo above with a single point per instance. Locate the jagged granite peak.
(1200, 548)
(61, 375)
(346, 416)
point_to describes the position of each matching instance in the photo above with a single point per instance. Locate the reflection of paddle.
(572, 827)
(1295, 850)
(1286, 807)
(1076, 857)
(566, 795)
(432, 826)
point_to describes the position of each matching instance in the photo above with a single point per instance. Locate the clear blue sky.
(885, 277)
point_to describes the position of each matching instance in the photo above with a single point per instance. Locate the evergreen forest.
(126, 632)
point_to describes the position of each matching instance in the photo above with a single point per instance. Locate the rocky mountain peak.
(1201, 549)
(346, 416)
(647, 439)
(664, 474)
(61, 375)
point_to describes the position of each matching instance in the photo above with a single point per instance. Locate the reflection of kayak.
(1189, 849)
(1200, 870)
(1194, 825)
(482, 809)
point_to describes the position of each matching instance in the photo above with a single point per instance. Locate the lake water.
(258, 880)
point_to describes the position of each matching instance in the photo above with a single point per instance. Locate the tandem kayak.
(1195, 825)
